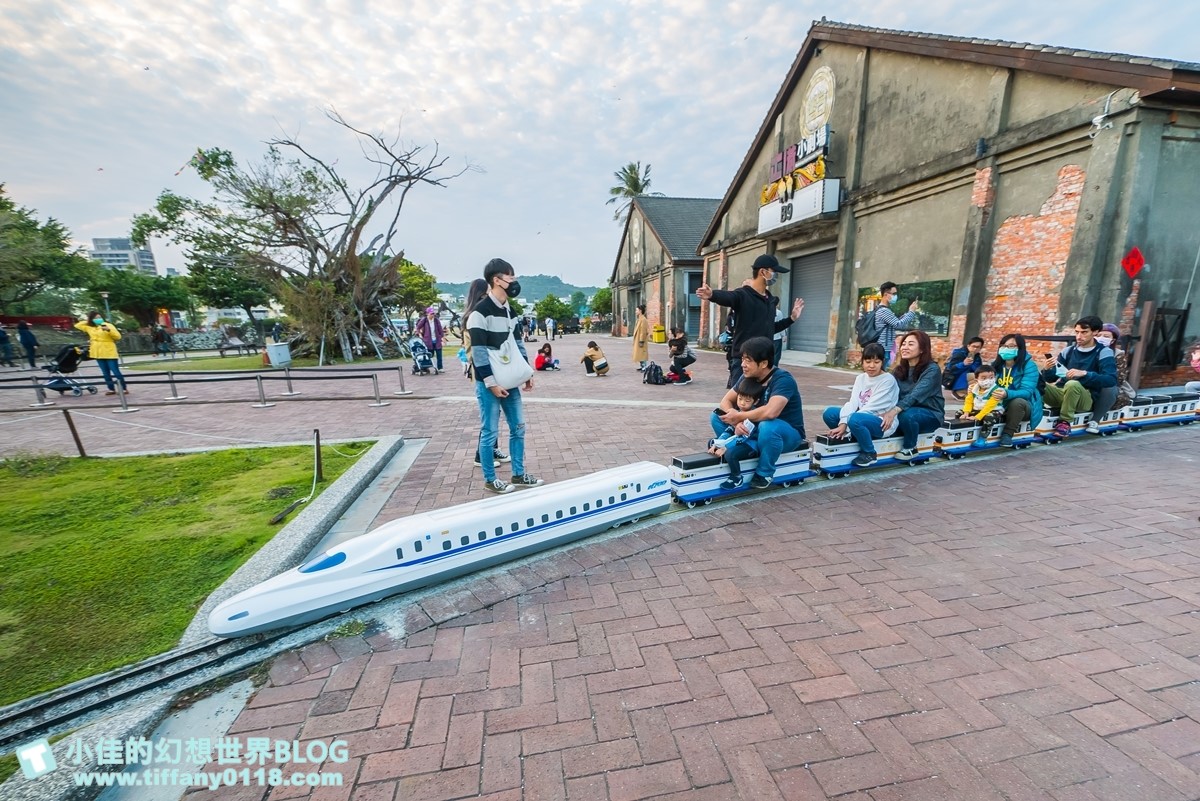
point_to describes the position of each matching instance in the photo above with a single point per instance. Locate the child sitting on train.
(982, 403)
(732, 446)
(873, 394)
(594, 362)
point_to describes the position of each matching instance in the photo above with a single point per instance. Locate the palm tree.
(632, 181)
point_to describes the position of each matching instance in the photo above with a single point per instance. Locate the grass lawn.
(104, 562)
(207, 363)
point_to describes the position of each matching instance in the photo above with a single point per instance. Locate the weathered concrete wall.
(919, 107)
(1034, 96)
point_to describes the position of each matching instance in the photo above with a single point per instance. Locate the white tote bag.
(509, 367)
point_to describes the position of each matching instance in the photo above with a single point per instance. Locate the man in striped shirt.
(490, 323)
(887, 323)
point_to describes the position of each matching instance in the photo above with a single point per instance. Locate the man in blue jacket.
(1081, 372)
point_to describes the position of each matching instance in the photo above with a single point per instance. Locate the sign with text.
(813, 200)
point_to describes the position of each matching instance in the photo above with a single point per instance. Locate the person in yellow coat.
(103, 348)
(641, 336)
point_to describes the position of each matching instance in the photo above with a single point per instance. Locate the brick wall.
(1158, 377)
(1029, 258)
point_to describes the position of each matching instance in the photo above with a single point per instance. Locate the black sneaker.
(865, 460)
(906, 455)
(526, 481)
(759, 482)
(498, 487)
(501, 456)
(683, 381)
(731, 483)
(1006, 441)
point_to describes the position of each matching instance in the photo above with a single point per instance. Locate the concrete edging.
(293, 542)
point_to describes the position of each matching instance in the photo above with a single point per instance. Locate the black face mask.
(513, 289)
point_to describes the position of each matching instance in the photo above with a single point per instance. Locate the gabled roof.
(1161, 79)
(678, 222)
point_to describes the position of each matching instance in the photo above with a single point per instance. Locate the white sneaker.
(1093, 427)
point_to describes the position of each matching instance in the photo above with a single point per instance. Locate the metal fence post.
(402, 390)
(287, 377)
(262, 396)
(40, 393)
(174, 396)
(121, 393)
(375, 384)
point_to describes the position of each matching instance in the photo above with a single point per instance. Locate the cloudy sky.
(103, 101)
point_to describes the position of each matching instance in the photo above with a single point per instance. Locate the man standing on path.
(754, 306)
(888, 324)
(490, 324)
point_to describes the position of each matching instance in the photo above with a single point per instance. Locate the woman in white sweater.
(874, 393)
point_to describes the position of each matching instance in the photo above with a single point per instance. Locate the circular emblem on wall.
(818, 101)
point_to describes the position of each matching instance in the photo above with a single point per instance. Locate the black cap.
(767, 262)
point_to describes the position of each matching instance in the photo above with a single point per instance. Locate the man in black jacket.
(754, 306)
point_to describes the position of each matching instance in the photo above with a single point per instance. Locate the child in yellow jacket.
(981, 400)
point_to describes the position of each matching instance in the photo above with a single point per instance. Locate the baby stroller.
(65, 362)
(422, 358)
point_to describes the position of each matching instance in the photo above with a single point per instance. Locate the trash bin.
(279, 354)
(659, 334)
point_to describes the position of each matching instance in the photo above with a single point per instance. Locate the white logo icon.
(36, 758)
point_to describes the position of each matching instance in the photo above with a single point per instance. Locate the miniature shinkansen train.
(431, 547)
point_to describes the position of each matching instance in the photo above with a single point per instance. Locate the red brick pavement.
(1019, 627)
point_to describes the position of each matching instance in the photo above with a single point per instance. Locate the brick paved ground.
(1001, 627)
(997, 628)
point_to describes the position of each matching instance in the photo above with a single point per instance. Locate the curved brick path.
(997, 628)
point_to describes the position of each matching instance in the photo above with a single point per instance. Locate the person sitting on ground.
(545, 358)
(1017, 387)
(779, 420)
(1194, 386)
(732, 446)
(1110, 337)
(921, 407)
(594, 362)
(963, 362)
(1079, 376)
(681, 356)
(873, 394)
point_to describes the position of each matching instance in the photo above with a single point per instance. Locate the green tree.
(294, 218)
(139, 295)
(578, 303)
(553, 308)
(415, 292)
(602, 301)
(228, 283)
(36, 257)
(632, 181)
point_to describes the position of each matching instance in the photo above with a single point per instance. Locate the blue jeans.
(111, 368)
(489, 413)
(917, 421)
(769, 438)
(862, 426)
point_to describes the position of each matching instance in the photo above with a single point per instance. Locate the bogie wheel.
(708, 501)
(691, 504)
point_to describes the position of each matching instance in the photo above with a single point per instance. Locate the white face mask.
(985, 383)
(1105, 339)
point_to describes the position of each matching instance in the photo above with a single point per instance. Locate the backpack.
(865, 329)
(653, 374)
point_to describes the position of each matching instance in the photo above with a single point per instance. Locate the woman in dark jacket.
(1017, 387)
(28, 341)
(921, 408)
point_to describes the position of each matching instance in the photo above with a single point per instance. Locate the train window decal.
(545, 518)
(587, 507)
(558, 515)
(529, 522)
(446, 545)
(573, 510)
(611, 500)
(515, 526)
(465, 540)
(481, 536)
(399, 553)
(499, 531)
(417, 546)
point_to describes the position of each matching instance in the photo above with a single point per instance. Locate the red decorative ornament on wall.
(1133, 262)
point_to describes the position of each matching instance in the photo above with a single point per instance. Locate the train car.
(833, 456)
(1151, 410)
(956, 438)
(696, 478)
(1045, 429)
(435, 546)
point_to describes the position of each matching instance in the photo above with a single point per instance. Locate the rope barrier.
(23, 419)
(174, 430)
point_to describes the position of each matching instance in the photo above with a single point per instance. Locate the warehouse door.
(812, 279)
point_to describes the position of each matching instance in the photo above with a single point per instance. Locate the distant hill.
(533, 287)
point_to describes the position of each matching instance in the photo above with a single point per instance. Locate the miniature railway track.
(88, 699)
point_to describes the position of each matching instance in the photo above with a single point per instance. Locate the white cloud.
(548, 96)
